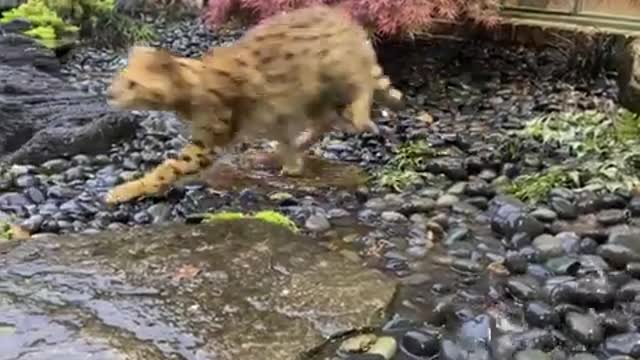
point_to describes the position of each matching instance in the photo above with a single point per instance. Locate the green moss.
(224, 216)
(276, 218)
(269, 216)
(6, 232)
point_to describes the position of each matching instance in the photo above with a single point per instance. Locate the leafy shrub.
(536, 187)
(56, 19)
(94, 16)
(80, 11)
(46, 34)
(604, 152)
(406, 168)
(47, 24)
(167, 10)
(124, 30)
(385, 17)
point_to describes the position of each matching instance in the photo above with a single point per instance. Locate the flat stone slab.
(240, 289)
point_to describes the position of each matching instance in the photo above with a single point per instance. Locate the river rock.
(242, 289)
(43, 117)
(19, 50)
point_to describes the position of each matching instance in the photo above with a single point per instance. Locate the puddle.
(260, 169)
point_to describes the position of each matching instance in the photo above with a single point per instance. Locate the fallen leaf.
(13, 232)
(19, 233)
(426, 118)
(187, 272)
(498, 268)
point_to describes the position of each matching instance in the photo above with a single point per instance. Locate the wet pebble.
(618, 256)
(584, 328)
(466, 266)
(317, 223)
(549, 246)
(583, 356)
(633, 268)
(634, 206)
(33, 223)
(629, 291)
(393, 217)
(159, 213)
(419, 344)
(35, 195)
(564, 208)
(523, 288)
(447, 200)
(623, 344)
(479, 188)
(54, 166)
(531, 355)
(544, 214)
(516, 263)
(611, 217)
(541, 315)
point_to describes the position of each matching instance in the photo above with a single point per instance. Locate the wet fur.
(291, 79)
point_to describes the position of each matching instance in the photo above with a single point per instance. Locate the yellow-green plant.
(223, 216)
(47, 24)
(81, 10)
(536, 187)
(6, 233)
(46, 34)
(605, 149)
(55, 19)
(269, 216)
(276, 218)
(405, 168)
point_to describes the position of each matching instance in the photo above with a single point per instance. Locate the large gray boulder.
(20, 50)
(240, 289)
(43, 117)
(629, 75)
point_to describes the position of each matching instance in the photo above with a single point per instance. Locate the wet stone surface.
(483, 276)
(241, 289)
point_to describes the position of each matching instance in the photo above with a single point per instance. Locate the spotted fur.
(291, 78)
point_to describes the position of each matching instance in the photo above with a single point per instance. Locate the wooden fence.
(618, 16)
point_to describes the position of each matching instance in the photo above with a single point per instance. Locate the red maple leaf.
(187, 272)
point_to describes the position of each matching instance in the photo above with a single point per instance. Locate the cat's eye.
(131, 84)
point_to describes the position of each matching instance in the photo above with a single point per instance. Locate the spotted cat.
(291, 79)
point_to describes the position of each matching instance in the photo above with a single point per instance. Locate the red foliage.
(387, 17)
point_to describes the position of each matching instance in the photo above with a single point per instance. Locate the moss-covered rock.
(269, 216)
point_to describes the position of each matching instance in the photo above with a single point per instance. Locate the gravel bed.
(560, 280)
